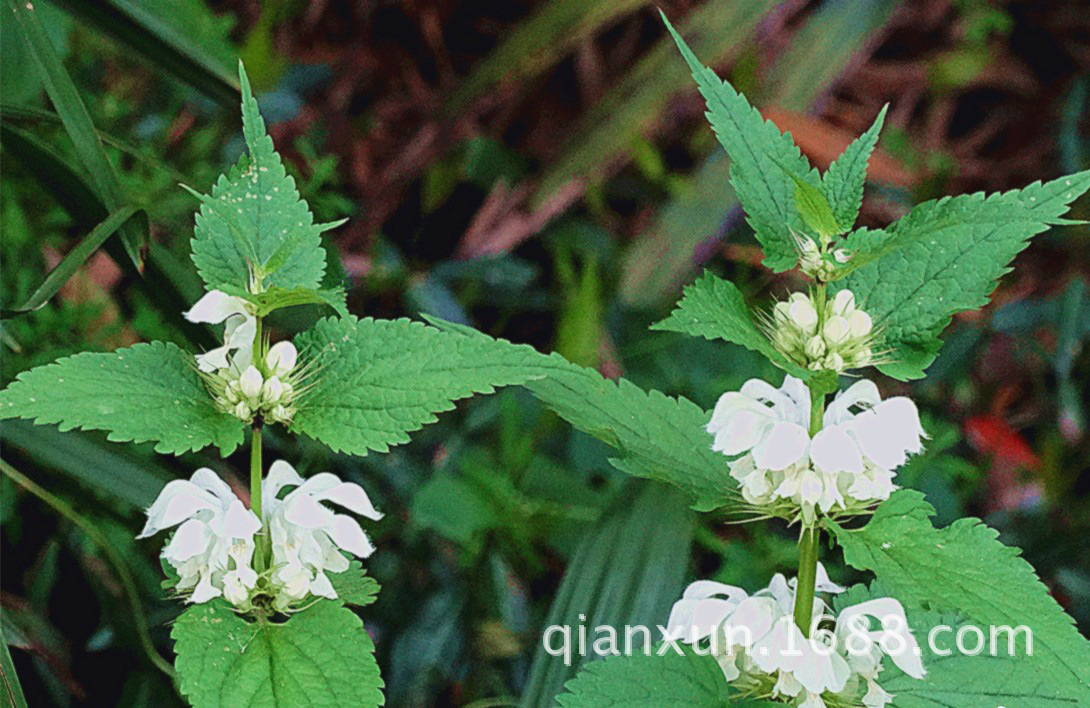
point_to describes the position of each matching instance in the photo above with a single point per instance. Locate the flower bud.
(835, 362)
(231, 392)
(280, 414)
(860, 323)
(841, 256)
(803, 315)
(250, 383)
(815, 348)
(843, 303)
(271, 390)
(836, 330)
(863, 357)
(242, 411)
(281, 358)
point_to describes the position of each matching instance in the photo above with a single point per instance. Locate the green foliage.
(320, 657)
(148, 392)
(714, 308)
(625, 572)
(843, 182)
(375, 381)
(764, 163)
(254, 222)
(354, 586)
(944, 257)
(642, 681)
(656, 436)
(963, 568)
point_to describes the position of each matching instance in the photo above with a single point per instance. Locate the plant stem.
(136, 606)
(255, 494)
(809, 544)
(255, 470)
(810, 540)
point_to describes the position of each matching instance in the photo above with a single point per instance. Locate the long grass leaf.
(204, 60)
(72, 261)
(77, 123)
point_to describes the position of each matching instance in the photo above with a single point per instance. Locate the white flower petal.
(281, 474)
(250, 383)
(191, 539)
(834, 450)
(213, 359)
(179, 500)
(305, 511)
(240, 522)
(281, 358)
(215, 307)
(785, 445)
(863, 393)
(204, 591)
(348, 534)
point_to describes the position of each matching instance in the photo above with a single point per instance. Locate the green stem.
(136, 606)
(255, 494)
(810, 540)
(809, 545)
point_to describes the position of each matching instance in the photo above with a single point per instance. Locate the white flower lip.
(849, 464)
(759, 646)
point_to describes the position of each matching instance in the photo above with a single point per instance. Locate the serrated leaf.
(376, 381)
(843, 182)
(815, 211)
(656, 436)
(146, 393)
(762, 162)
(276, 298)
(652, 681)
(321, 657)
(964, 569)
(354, 586)
(955, 678)
(255, 219)
(944, 257)
(715, 308)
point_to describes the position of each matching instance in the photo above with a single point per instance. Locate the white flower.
(214, 544)
(849, 464)
(280, 359)
(308, 537)
(762, 651)
(239, 332)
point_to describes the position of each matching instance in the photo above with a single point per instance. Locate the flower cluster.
(221, 548)
(843, 339)
(240, 385)
(845, 468)
(817, 262)
(764, 653)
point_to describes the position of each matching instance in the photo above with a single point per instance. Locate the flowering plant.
(879, 298)
(268, 572)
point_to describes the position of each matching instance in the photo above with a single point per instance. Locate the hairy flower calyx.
(840, 338)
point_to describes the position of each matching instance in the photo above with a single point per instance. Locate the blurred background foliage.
(540, 170)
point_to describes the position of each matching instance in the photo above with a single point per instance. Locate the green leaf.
(255, 220)
(642, 681)
(77, 123)
(656, 436)
(376, 381)
(321, 657)
(148, 392)
(354, 586)
(11, 691)
(815, 211)
(625, 572)
(843, 182)
(964, 569)
(183, 37)
(714, 308)
(276, 298)
(72, 261)
(763, 161)
(945, 257)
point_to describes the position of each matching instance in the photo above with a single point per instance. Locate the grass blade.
(537, 43)
(72, 261)
(626, 572)
(204, 61)
(11, 693)
(719, 28)
(77, 123)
